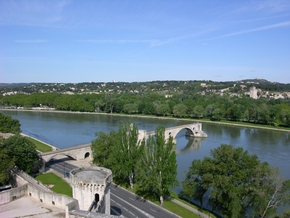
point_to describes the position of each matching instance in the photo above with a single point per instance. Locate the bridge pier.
(42, 169)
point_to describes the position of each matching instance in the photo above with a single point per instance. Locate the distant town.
(254, 88)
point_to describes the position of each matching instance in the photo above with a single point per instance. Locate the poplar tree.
(157, 169)
(127, 151)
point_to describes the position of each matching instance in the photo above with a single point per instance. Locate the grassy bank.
(55, 183)
(39, 145)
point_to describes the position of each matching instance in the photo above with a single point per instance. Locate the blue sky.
(101, 41)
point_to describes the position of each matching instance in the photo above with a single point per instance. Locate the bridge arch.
(175, 132)
(87, 154)
(63, 154)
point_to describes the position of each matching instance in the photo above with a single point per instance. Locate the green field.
(57, 184)
(39, 145)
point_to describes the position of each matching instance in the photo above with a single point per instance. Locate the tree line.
(214, 107)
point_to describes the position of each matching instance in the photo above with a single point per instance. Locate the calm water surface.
(70, 129)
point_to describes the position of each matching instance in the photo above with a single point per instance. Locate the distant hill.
(13, 85)
(165, 86)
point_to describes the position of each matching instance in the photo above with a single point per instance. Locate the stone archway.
(87, 154)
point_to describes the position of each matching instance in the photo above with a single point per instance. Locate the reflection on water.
(192, 144)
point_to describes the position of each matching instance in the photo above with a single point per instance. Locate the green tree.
(198, 111)
(270, 190)
(162, 109)
(180, 110)
(9, 125)
(127, 152)
(23, 151)
(7, 163)
(131, 108)
(110, 102)
(208, 112)
(102, 148)
(217, 114)
(234, 112)
(157, 168)
(237, 182)
(146, 107)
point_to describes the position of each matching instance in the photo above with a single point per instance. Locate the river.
(65, 130)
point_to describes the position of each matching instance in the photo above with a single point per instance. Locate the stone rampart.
(13, 194)
(28, 186)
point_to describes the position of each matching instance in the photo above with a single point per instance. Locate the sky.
(62, 41)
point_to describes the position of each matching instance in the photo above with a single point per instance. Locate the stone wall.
(13, 194)
(28, 186)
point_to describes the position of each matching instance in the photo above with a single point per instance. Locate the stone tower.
(91, 187)
(253, 92)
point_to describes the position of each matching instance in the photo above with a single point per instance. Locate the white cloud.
(30, 41)
(33, 13)
(119, 41)
(273, 5)
(277, 25)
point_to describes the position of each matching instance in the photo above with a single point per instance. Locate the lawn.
(57, 183)
(40, 146)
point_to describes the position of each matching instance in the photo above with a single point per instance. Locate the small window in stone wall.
(14, 198)
(29, 193)
(53, 203)
(41, 200)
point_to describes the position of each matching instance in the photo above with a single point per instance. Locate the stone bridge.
(84, 151)
(193, 130)
(77, 152)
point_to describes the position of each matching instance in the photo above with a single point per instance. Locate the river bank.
(227, 123)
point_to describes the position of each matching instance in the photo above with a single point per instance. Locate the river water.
(65, 130)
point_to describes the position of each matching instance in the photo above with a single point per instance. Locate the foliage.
(270, 191)
(22, 151)
(180, 110)
(9, 125)
(7, 163)
(127, 151)
(162, 109)
(126, 155)
(215, 100)
(236, 182)
(102, 148)
(286, 214)
(157, 169)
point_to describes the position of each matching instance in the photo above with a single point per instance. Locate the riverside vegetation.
(216, 101)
